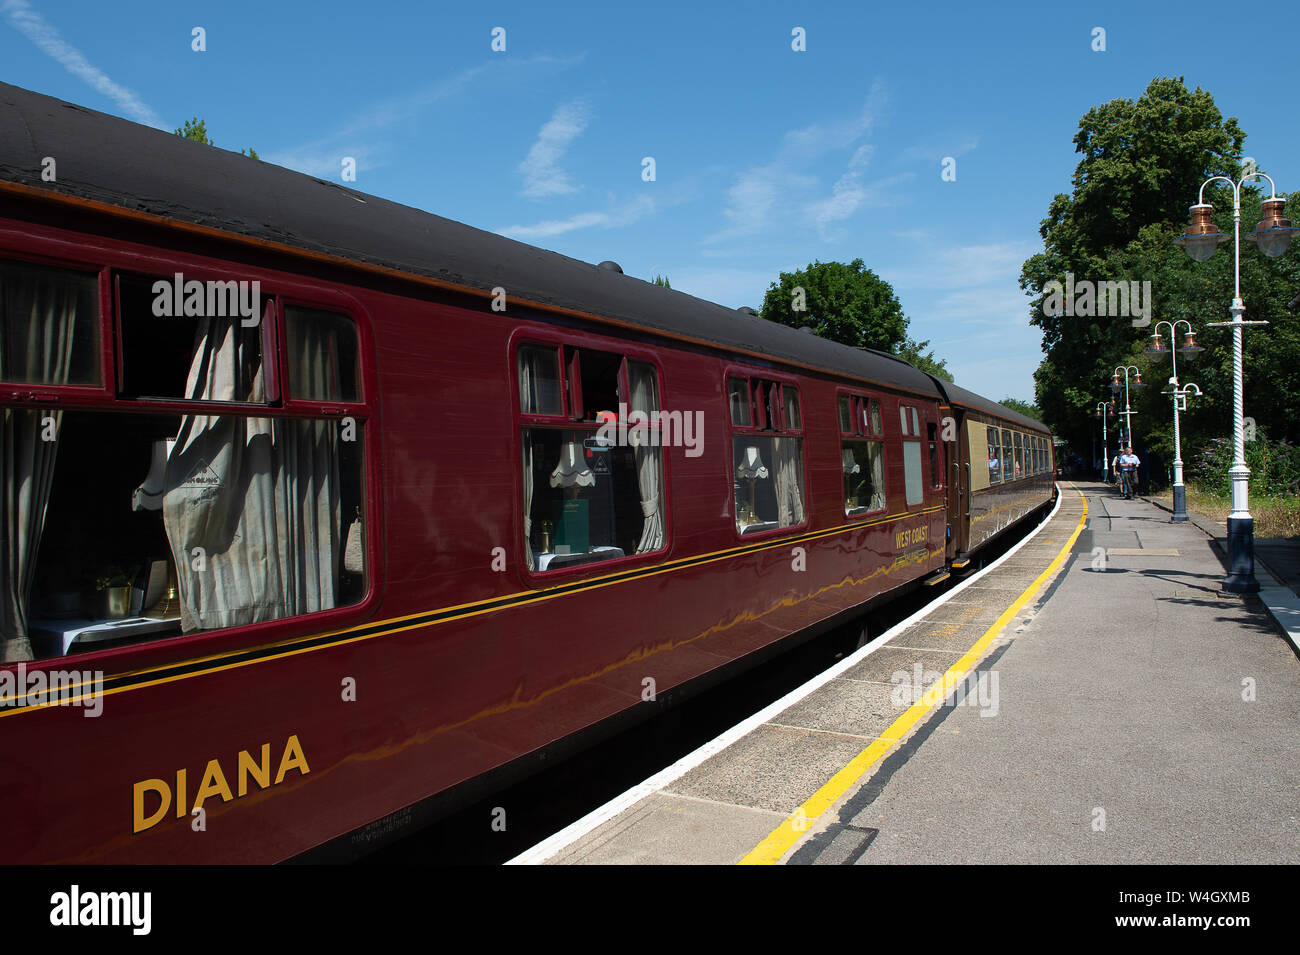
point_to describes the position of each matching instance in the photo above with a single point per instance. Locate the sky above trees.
(766, 158)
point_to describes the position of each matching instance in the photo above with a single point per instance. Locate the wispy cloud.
(965, 266)
(851, 192)
(777, 193)
(620, 215)
(46, 36)
(541, 171)
(356, 137)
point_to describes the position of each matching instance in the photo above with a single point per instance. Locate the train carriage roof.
(114, 161)
(968, 399)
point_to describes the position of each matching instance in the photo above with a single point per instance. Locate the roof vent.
(746, 310)
(609, 266)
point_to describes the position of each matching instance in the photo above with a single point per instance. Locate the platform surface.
(1122, 712)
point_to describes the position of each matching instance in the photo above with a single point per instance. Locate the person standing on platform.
(1128, 469)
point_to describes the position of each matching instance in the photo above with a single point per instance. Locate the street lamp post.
(1158, 350)
(1127, 412)
(1105, 410)
(1272, 235)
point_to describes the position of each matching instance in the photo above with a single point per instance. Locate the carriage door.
(956, 444)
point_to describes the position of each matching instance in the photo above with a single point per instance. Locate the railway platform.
(1089, 698)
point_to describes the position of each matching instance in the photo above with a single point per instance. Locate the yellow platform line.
(783, 837)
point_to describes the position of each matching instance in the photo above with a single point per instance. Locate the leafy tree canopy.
(848, 304)
(851, 305)
(195, 130)
(1024, 407)
(1142, 164)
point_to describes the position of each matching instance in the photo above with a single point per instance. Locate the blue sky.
(766, 158)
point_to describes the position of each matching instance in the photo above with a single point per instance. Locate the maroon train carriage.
(319, 511)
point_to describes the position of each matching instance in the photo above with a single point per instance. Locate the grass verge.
(1274, 516)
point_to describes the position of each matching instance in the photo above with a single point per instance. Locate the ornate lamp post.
(1272, 235)
(1105, 410)
(1157, 350)
(1128, 413)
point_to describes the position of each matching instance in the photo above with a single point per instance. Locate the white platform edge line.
(576, 830)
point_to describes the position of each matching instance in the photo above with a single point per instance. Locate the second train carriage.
(383, 540)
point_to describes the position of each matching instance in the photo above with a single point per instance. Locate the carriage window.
(767, 462)
(539, 381)
(1019, 452)
(910, 422)
(322, 353)
(864, 477)
(792, 420)
(995, 466)
(863, 460)
(137, 527)
(738, 395)
(201, 522)
(593, 485)
(936, 473)
(49, 326)
(912, 472)
(1008, 470)
(186, 339)
(859, 416)
(594, 387)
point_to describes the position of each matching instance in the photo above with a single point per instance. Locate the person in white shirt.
(1128, 467)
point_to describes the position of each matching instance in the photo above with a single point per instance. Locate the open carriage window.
(192, 340)
(593, 474)
(131, 526)
(767, 457)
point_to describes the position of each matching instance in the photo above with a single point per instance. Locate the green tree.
(1143, 162)
(661, 280)
(1024, 407)
(848, 304)
(196, 130)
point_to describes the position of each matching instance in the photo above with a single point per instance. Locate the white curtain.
(528, 501)
(649, 460)
(877, 475)
(38, 329)
(251, 505)
(789, 496)
(532, 376)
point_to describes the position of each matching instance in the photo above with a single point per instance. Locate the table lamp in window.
(851, 467)
(751, 468)
(572, 531)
